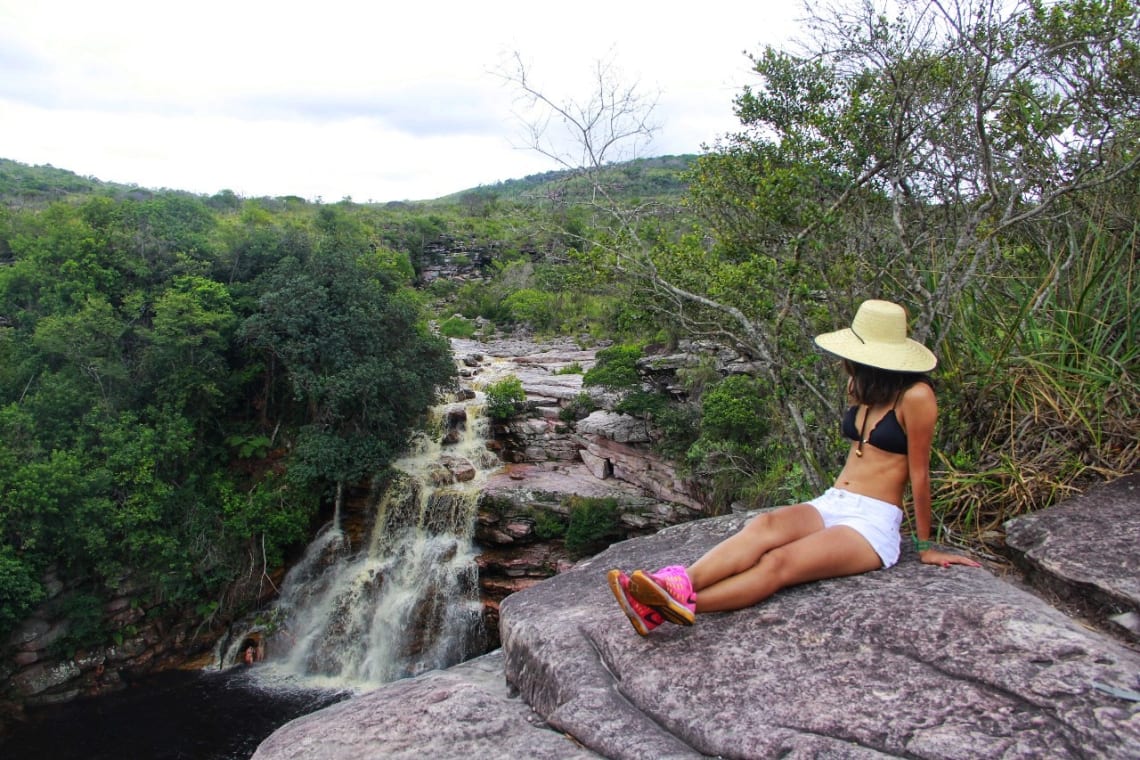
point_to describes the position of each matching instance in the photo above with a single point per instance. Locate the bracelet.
(921, 546)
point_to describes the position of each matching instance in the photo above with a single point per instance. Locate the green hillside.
(657, 178)
(20, 182)
(660, 177)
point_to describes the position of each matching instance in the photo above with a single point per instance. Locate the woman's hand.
(945, 559)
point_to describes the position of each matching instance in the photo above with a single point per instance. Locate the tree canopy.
(181, 385)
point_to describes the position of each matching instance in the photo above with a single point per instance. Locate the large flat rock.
(463, 712)
(1087, 551)
(916, 661)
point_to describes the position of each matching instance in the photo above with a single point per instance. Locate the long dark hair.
(871, 385)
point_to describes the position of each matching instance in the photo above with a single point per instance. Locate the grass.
(1049, 402)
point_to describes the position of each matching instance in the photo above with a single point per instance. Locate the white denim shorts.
(877, 521)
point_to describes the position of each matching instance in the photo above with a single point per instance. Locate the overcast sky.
(374, 100)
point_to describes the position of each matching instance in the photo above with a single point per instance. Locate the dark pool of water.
(170, 716)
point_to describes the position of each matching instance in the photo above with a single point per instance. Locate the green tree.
(897, 155)
(191, 330)
(355, 353)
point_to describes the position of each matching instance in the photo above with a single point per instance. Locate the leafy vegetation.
(183, 384)
(616, 368)
(593, 524)
(185, 381)
(504, 398)
(457, 327)
(655, 178)
(959, 159)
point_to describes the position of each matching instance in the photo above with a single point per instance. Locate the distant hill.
(644, 178)
(20, 182)
(24, 184)
(660, 177)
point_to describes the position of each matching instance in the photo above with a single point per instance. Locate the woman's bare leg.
(828, 553)
(744, 549)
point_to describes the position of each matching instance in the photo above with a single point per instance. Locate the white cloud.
(375, 101)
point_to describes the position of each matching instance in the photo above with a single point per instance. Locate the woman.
(850, 529)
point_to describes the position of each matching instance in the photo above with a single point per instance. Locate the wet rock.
(461, 469)
(454, 424)
(28, 632)
(40, 678)
(118, 603)
(520, 529)
(23, 659)
(534, 561)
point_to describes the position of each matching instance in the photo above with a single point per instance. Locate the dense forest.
(186, 380)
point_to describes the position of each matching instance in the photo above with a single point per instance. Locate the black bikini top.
(887, 435)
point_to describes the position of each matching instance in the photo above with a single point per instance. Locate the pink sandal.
(669, 591)
(643, 618)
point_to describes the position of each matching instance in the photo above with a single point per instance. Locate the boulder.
(466, 711)
(914, 661)
(1084, 551)
(551, 485)
(40, 678)
(599, 467)
(641, 467)
(616, 427)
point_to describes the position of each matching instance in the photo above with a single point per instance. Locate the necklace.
(862, 433)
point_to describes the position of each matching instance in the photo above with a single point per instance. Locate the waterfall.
(407, 600)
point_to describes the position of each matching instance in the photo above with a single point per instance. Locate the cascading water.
(408, 600)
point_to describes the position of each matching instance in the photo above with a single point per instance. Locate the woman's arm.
(918, 412)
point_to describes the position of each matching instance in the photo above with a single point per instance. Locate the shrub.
(19, 588)
(548, 525)
(643, 404)
(442, 287)
(504, 398)
(679, 425)
(593, 524)
(531, 307)
(616, 368)
(734, 410)
(733, 454)
(457, 327)
(578, 408)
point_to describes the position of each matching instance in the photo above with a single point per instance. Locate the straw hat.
(877, 338)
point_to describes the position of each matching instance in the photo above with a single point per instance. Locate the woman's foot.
(643, 618)
(669, 591)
